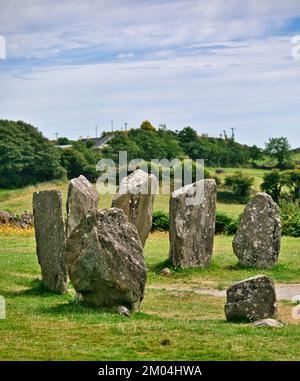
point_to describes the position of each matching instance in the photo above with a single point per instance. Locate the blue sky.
(213, 65)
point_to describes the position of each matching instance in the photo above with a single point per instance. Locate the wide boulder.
(50, 239)
(82, 197)
(105, 260)
(251, 300)
(257, 241)
(192, 224)
(135, 197)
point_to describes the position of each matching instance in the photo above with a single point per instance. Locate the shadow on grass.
(82, 311)
(36, 288)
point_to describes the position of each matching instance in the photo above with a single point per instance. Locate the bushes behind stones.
(290, 219)
(225, 224)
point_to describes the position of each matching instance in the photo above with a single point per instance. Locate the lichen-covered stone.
(82, 197)
(50, 239)
(105, 261)
(135, 197)
(257, 241)
(268, 323)
(251, 299)
(192, 226)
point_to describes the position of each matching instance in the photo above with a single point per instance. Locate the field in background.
(19, 200)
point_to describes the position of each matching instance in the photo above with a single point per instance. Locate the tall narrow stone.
(82, 197)
(257, 241)
(192, 224)
(135, 197)
(50, 239)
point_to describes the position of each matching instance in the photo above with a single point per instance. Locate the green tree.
(27, 157)
(292, 181)
(146, 125)
(279, 149)
(240, 184)
(273, 184)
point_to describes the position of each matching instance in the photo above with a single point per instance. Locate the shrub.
(290, 218)
(273, 184)
(160, 221)
(226, 224)
(240, 185)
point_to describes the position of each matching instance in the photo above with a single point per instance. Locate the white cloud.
(181, 62)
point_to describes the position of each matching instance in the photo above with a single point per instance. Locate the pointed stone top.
(82, 184)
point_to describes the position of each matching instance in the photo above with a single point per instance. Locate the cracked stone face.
(251, 299)
(192, 227)
(257, 241)
(82, 197)
(105, 260)
(136, 197)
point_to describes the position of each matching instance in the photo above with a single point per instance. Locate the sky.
(213, 65)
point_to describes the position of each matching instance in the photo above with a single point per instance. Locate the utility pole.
(112, 125)
(232, 133)
(96, 129)
(126, 124)
(225, 135)
(56, 135)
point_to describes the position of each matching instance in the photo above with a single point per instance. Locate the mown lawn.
(172, 325)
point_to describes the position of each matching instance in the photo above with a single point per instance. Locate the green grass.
(19, 200)
(44, 326)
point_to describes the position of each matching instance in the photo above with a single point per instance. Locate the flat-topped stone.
(192, 224)
(50, 239)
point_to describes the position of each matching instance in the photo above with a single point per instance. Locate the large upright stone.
(192, 224)
(135, 197)
(257, 241)
(82, 197)
(251, 299)
(50, 239)
(105, 260)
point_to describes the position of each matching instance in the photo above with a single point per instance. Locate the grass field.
(17, 201)
(172, 325)
(175, 322)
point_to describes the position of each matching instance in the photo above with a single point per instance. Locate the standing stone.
(82, 197)
(50, 239)
(105, 261)
(192, 227)
(135, 197)
(257, 241)
(251, 299)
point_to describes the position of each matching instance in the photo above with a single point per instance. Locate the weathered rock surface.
(82, 197)
(251, 299)
(105, 260)
(135, 197)
(257, 241)
(50, 239)
(22, 221)
(269, 323)
(192, 227)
